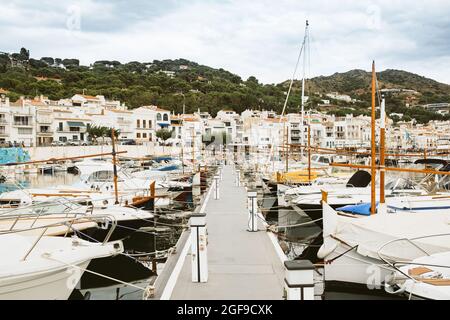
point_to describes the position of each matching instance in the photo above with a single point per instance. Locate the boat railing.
(413, 242)
(102, 221)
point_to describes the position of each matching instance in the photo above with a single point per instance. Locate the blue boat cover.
(362, 209)
(160, 159)
(11, 155)
(168, 168)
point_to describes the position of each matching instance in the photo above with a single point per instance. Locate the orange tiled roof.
(273, 120)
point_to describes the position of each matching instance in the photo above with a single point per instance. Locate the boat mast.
(303, 82)
(373, 153)
(286, 147)
(382, 207)
(309, 153)
(193, 149)
(113, 142)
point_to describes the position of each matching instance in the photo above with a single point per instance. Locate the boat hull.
(314, 211)
(49, 285)
(346, 268)
(124, 229)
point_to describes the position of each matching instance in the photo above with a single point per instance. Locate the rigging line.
(291, 84)
(95, 273)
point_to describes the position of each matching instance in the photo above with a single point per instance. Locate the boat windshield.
(401, 184)
(45, 208)
(104, 176)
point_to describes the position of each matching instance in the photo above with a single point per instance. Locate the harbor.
(221, 159)
(247, 248)
(214, 219)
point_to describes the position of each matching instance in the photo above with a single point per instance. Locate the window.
(75, 138)
(144, 124)
(150, 137)
(138, 135)
(60, 126)
(158, 117)
(63, 139)
(144, 135)
(166, 117)
(24, 131)
(138, 123)
(149, 124)
(21, 121)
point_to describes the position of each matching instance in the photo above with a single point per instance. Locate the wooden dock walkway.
(242, 264)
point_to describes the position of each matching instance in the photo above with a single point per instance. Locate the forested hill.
(166, 83)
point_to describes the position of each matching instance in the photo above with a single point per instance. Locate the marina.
(227, 221)
(317, 170)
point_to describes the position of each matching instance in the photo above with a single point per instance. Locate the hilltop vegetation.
(169, 83)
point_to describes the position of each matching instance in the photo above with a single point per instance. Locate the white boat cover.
(373, 235)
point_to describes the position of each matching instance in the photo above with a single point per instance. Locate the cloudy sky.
(247, 37)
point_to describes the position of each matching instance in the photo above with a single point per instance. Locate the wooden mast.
(373, 153)
(113, 142)
(382, 153)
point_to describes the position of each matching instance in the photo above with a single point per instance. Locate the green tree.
(164, 134)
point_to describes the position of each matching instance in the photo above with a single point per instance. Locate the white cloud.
(259, 37)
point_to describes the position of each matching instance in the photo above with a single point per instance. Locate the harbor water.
(144, 249)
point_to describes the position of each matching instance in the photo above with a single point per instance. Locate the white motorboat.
(356, 248)
(46, 268)
(427, 277)
(311, 204)
(128, 219)
(361, 179)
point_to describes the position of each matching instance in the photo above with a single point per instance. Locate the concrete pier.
(242, 264)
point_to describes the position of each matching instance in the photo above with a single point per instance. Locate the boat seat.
(417, 272)
(436, 282)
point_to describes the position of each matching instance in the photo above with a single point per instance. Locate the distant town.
(43, 122)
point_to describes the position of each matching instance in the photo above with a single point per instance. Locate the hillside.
(206, 88)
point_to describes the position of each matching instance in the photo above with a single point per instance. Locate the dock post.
(252, 211)
(216, 188)
(299, 280)
(221, 173)
(199, 256)
(238, 178)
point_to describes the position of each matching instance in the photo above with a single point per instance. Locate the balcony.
(45, 132)
(44, 120)
(22, 124)
(124, 122)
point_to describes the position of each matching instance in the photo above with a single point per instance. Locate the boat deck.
(242, 265)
